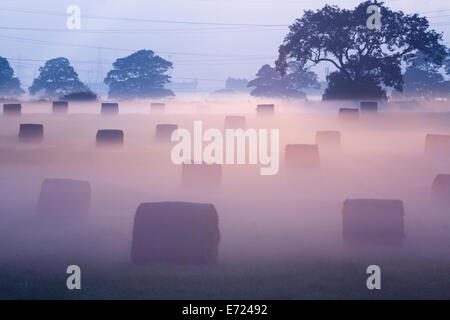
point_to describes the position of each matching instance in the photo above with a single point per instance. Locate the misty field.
(281, 235)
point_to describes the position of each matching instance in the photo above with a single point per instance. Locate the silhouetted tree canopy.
(9, 85)
(365, 59)
(57, 78)
(270, 83)
(423, 79)
(140, 75)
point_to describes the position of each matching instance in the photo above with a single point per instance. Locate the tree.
(57, 78)
(365, 60)
(270, 83)
(140, 75)
(80, 96)
(9, 85)
(423, 79)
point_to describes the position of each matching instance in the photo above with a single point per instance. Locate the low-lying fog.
(294, 213)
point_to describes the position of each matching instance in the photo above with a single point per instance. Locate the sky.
(208, 40)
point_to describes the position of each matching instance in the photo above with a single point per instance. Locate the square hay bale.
(441, 190)
(348, 114)
(110, 108)
(373, 222)
(328, 140)
(31, 132)
(175, 233)
(64, 198)
(12, 109)
(265, 109)
(437, 145)
(109, 137)
(202, 174)
(369, 106)
(234, 122)
(164, 131)
(302, 156)
(60, 107)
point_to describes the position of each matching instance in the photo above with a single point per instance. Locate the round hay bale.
(110, 108)
(157, 106)
(64, 198)
(265, 109)
(303, 156)
(175, 233)
(109, 137)
(60, 107)
(441, 190)
(437, 145)
(328, 140)
(234, 122)
(208, 175)
(373, 222)
(31, 132)
(348, 114)
(12, 109)
(164, 131)
(369, 106)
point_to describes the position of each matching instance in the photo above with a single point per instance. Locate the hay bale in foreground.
(234, 122)
(12, 109)
(373, 222)
(265, 109)
(110, 108)
(209, 175)
(31, 132)
(64, 198)
(176, 233)
(328, 140)
(441, 190)
(302, 156)
(164, 131)
(348, 114)
(109, 137)
(369, 106)
(437, 145)
(60, 107)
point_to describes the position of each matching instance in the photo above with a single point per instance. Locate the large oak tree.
(364, 59)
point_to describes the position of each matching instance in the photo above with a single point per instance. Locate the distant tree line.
(140, 75)
(404, 54)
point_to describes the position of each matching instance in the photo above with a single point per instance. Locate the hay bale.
(437, 145)
(302, 156)
(64, 198)
(60, 107)
(265, 109)
(328, 140)
(164, 131)
(348, 114)
(12, 109)
(202, 174)
(234, 122)
(109, 137)
(370, 221)
(369, 106)
(31, 132)
(176, 233)
(157, 105)
(441, 189)
(110, 108)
